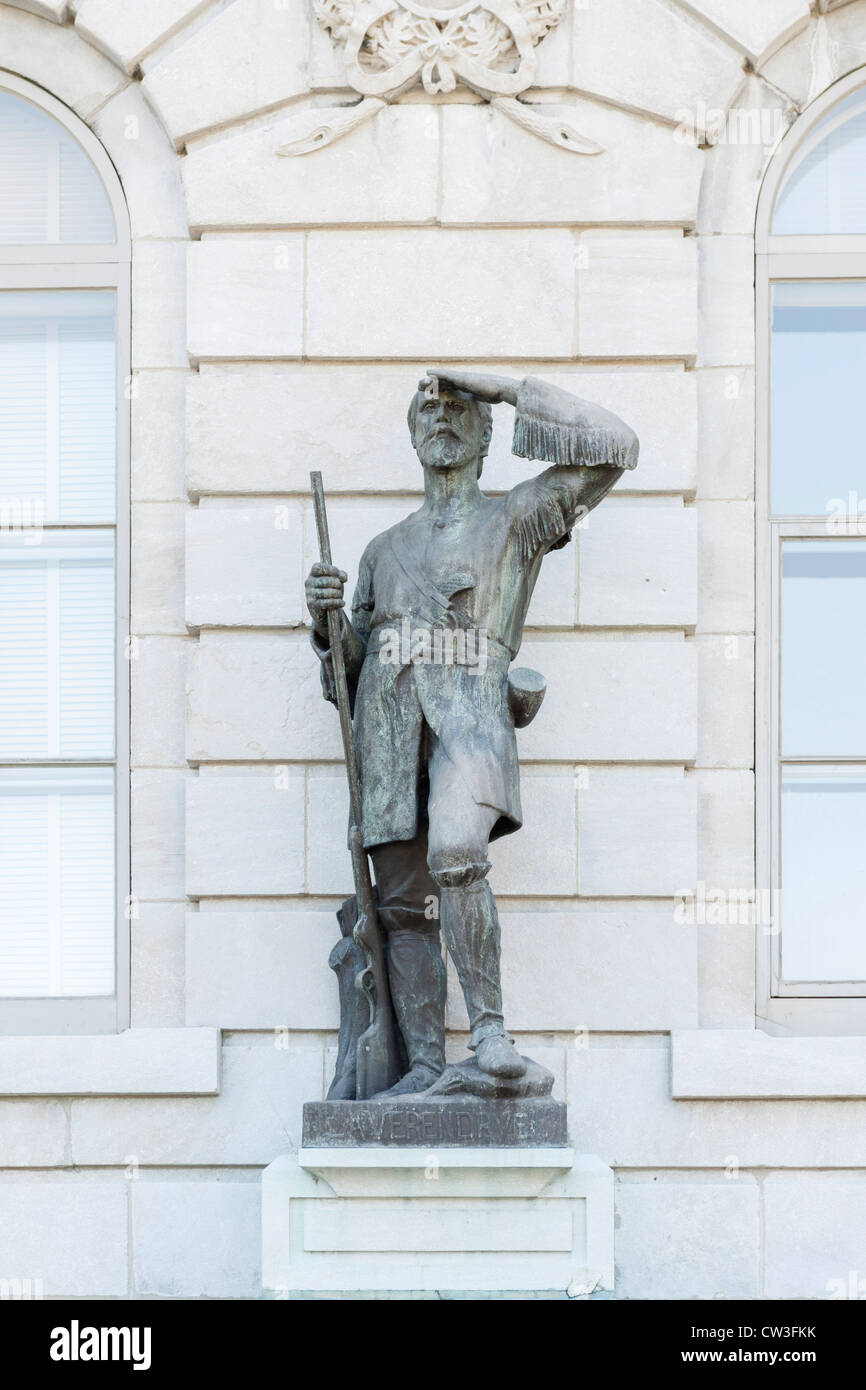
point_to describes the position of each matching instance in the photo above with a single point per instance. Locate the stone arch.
(780, 85)
(56, 58)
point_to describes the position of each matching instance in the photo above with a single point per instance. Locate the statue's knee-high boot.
(416, 970)
(470, 926)
(416, 974)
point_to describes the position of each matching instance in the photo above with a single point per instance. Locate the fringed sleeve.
(543, 521)
(556, 427)
(572, 435)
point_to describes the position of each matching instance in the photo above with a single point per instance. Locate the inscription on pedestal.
(446, 1123)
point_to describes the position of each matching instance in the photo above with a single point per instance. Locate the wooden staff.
(378, 1066)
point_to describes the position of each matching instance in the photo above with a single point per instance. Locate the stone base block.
(447, 1121)
(388, 1220)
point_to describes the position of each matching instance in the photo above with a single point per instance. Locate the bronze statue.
(436, 621)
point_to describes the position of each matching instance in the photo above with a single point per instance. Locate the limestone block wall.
(283, 310)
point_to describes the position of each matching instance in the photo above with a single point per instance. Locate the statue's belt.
(450, 644)
(526, 688)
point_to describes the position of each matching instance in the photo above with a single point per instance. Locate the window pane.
(825, 187)
(57, 646)
(56, 882)
(818, 401)
(823, 874)
(823, 649)
(58, 404)
(49, 190)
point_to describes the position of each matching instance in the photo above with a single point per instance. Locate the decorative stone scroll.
(389, 46)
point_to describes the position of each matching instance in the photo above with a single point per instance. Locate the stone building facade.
(283, 309)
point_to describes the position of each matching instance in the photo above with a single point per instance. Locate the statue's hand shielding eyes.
(482, 385)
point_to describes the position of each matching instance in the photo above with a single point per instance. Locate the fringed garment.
(477, 574)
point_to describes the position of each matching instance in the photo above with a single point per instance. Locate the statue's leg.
(459, 833)
(408, 904)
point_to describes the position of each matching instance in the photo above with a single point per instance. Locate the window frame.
(813, 1007)
(85, 266)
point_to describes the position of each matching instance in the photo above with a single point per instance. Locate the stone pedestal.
(400, 1219)
(446, 1122)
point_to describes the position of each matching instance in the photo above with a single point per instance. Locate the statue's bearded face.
(449, 431)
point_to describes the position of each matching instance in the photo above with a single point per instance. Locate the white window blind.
(57, 648)
(57, 643)
(823, 823)
(64, 582)
(818, 332)
(57, 406)
(49, 190)
(56, 882)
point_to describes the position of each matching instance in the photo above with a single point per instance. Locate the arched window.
(811, 571)
(64, 331)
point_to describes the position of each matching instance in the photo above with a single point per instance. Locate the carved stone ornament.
(389, 46)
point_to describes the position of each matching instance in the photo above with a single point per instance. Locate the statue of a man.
(434, 733)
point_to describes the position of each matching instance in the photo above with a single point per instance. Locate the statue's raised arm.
(588, 446)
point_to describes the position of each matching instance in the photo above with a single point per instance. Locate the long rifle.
(378, 1067)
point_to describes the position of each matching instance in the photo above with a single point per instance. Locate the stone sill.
(375, 1156)
(140, 1062)
(465, 1172)
(734, 1064)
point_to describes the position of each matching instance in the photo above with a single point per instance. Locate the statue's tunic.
(413, 581)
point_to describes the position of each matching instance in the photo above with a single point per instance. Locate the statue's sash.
(414, 573)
